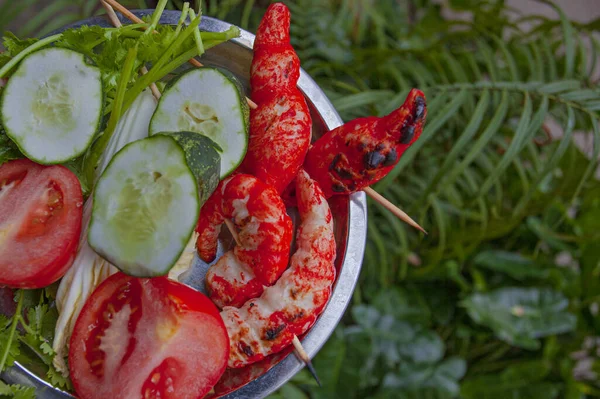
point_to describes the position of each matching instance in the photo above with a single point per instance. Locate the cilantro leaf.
(35, 316)
(58, 380)
(8, 149)
(82, 39)
(4, 322)
(4, 58)
(34, 343)
(16, 391)
(76, 166)
(14, 45)
(11, 347)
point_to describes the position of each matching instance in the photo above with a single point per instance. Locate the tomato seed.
(155, 378)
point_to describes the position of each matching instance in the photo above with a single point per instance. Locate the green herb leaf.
(521, 315)
(520, 381)
(58, 380)
(35, 316)
(9, 346)
(14, 45)
(441, 379)
(83, 39)
(512, 264)
(8, 149)
(16, 391)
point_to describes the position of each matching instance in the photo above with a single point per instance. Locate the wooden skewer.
(132, 17)
(370, 192)
(392, 208)
(300, 352)
(304, 357)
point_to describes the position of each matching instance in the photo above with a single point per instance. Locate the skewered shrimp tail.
(361, 152)
(281, 125)
(268, 324)
(265, 235)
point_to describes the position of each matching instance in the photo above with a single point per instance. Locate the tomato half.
(147, 338)
(40, 223)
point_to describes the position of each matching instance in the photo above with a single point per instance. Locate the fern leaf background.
(501, 299)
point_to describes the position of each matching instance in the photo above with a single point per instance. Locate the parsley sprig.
(26, 337)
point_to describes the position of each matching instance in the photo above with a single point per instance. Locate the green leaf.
(403, 304)
(8, 150)
(361, 99)
(569, 39)
(14, 45)
(330, 362)
(521, 381)
(519, 138)
(13, 349)
(427, 347)
(520, 316)
(442, 377)
(76, 166)
(35, 316)
(58, 380)
(16, 391)
(510, 263)
(483, 140)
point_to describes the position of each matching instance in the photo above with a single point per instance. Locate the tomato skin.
(41, 208)
(147, 338)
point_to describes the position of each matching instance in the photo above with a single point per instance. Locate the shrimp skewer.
(268, 324)
(265, 235)
(281, 126)
(361, 152)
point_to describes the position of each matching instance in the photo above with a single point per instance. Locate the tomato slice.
(40, 223)
(147, 338)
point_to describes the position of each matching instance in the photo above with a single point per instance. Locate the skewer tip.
(313, 372)
(304, 357)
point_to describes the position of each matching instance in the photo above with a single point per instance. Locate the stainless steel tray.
(350, 214)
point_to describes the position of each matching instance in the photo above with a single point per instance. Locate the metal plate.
(350, 214)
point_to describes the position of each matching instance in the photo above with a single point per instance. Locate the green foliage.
(520, 315)
(30, 343)
(16, 391)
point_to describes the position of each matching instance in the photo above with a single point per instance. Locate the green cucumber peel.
(204, 160)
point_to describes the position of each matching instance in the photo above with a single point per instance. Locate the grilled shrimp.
(267, 325)
(361, 152)
(281, 126)
(265, 234)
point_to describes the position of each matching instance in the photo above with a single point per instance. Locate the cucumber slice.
(52, 105)
(145, 207)
(206, 101)
(202, 155)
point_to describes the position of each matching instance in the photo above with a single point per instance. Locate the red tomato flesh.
(147, 338)
(40, 223)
